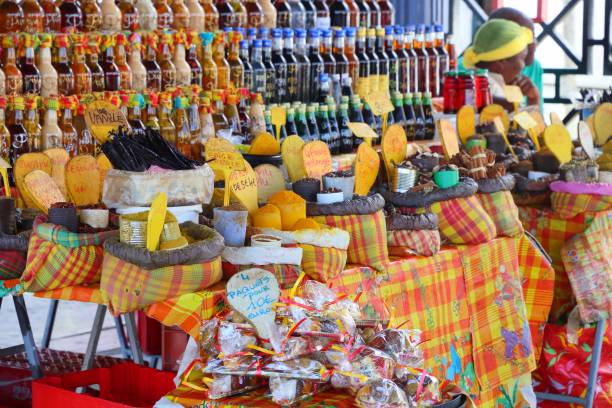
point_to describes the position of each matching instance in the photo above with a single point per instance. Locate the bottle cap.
(287, 33)
(239, 30)
(420, 28)
(313, 32)
(266, 43)
(256, 43)
(264, 32)
(361, 32)
(326, 33)
(350, 31)
(399, 30)
(410, 29)
(251, 32)
(439, 28)
(277, 33)
(300, 33)
(244, 44)
(339, 33)
(482, 72)
(389, 30)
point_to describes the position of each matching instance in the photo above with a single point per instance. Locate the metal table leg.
(92, 345)
(46, 340)
(28, 338)
(587, 401)
(123, 344)
(130, 324)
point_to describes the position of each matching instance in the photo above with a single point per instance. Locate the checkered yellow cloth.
(88, 294)
(464, 221)
(423, 242)
(567, 205)
(127, 287)
(322, 264)
(368, 243)
(503, 211)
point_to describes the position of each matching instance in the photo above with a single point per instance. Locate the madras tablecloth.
(441, 295)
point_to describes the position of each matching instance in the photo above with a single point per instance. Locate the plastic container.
(231, 223)
(330, 198)
(346, 184)
(182, 214)
(446, 178)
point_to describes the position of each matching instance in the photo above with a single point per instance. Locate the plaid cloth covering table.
(442, 296)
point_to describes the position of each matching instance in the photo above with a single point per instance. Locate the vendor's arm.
(528, 88)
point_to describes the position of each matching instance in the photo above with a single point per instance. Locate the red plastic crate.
(174, 341)
(149, 334)
(124, 385)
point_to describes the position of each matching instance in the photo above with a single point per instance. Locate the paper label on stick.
(367, 164)
(490, 112)
(362, 130)
(102, 117)
(602, 123)
(317, 159)
(59, 158)
(83, 180)
(243, 185)
(525, 120)
(225, 162)
(291, 151)
(380, 102)
(559, 142)
(449, 139)
(393, 147)
(278, 118)
(466, 122)
(270, 180)
(586, 139)
(513, 94)
(252, 293)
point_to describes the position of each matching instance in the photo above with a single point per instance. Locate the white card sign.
(252, 293)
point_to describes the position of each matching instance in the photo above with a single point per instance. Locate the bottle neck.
(360, 45)
(29, 56)
(256, 55)
(62, 57)
(207, 52)
(277, 45)
(10, 56)
(109, 56)
(315, 45)
(288, 45)
(244, 54)
(150, 55)
(17, 116)
(326, 45)
(350, 45)
(338, 45)
(300, 46)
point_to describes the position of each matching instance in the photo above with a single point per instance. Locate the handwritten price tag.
(449, 139)
(43, 190)
(270, 180)
(380, 103)
(362, 130)
(243, 185)
(291, 152)
(394, 147)
(102, 117)
(466, 122)
(513, 94)
(490, 112)
(83, 180)
(525, 120)
(317, 159)
(59, 158)
(25, 164)
(225, 162)
(367, 164)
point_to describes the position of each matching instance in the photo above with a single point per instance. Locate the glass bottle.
(48, 75)
(301, 124)
(292, 66)
(346, 136)
(451, 85)
(291, 125)
(181, 122)
(223, 67)
(183, 69)
(422, 59)
(403, 63)
(483, 92)
(434, 79)
(72, 16)
(226, 14)
(165, 16)
(243, 114)
(270, 93)
(394, 61)
(32, 124)
(139, 72)
(420, 131)
(211, 16)
(342, 62)
(166, 125)
(336, 147)
(353, 13)
(13, 76)
(298, 14)
(239, 12)
(19, 137)
(280, 66)
(356, 115)
(65, 76)
(443, 60)
(430, 125)
(195, 128)
(168, 70)
(362, 81)
(325, 134)
(151, 104)
(231, 113)
(82, 74)
(135, 103)
(209, 68)
(111, 16)
(323, 21)
(70, 138)
(51, 132)
(364, 14)
(219, 119)
(387, 12)
(410, 116)
(413, 59)
(340, 14)
(206, 123)
(235, 63)
(247, 67)
(303, 71)
(269, 13)
(196, 16)
(154, 81)
(11, 17)
(256, 113)
(259, 69)
(125, 72)
(92, 16)
(255, 14)
(181, 15)
(97, 73)
(313, 127)
(326, 52)
(351, 56)
(450, 50)
(87, 143)
(383, 60)
(112, 76)
(399, 115)
(147, 15)
(375, 63)
(33, 17)
(283, 14)
(374, 13)
(32, 81)
(129, 15)
(317, 64)
(52, 21)
(310, 14)
(194, 65)
(268, 120)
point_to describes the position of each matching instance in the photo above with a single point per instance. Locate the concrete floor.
(72, 325)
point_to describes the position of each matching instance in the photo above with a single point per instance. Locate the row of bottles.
(32, 16)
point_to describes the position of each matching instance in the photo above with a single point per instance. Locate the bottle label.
(393, 65)
(248, 80)
(97, 82)
(164, 20)
(259, 81)
(19, 140)
(168, 78)
(292, 82)
(270, 85)
(209, 78)
(129, 21)
(65, 84)
(323, 23)
(31, 84)
(52, 21)
(71, 143)
(14, 85)
(72, 21)
(82, 83)
(280, 83)
(283, 19)
(111, 81)
(33, 24)
(237, 77)
(374, 83)
(92, 22)
(255, 19)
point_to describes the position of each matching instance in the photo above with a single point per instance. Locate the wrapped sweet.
(422, 389)
(222, 386)
(382, 393)
(579, 170)
(362, 364)
(401, 344)
(287, 391)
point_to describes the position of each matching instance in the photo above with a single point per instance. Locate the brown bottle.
(32, 124)
(5, 135)
(92, 16)
(166, 125)
(32, 81)
(154, 82)
(11, 17)
(87, 143)
(93, 63)
(223, 68)
(53, 19)
(14, 78)
(19, 137)
(209, 68)
(181, 15)
(65, 76)
(219, 119)
(136, 101)
(194, 65)
(236, 65)
(255, 14)
(227, 18)
(125, 72)
(211, 16)
(82, 74)
(240, 13)
(168, 70)
(72, 16)
(181, 123)
(33, 17)
(69, 134)
(353, 13)
(112, 78)
(129, 15)
(164, 15)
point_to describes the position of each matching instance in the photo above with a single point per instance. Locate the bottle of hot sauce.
(65, 76)
(72, 16)
(93, 63)
(53, 20)
(125, 72)
(33, 17)
(14, 78)
(30, 73)
(168, 70)
(87, 143)
(154, 82)
(70, 138)
(192, 59)
(11, 17)
(82, 74)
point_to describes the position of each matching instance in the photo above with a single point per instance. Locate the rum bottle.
(209, 68)
(168, 70)
(82, 74)
(364, 14)
(52, 21)
(298, 14)
(394, 60)
(92, 16)
(310, 13)
(139, 72)
(422, 59)
(65, 76)
(413, 59)
(19, 137)
(236, 65)
(283, 14)
(194, 65)
(223, 67)
(211, 16)
(87, 143)
(313, 127)
(403, 62)
(255, 14)
(259, 69)
(340, 14)
(219, 119)
(383, 61)
(135, 104)
(13, 76)
(351, 56)
(231, 113)
(410, 116)
(206, 122)
(326, 53)
(33, 17)
(292, 66)
(11, 17)
(387, 13)
(420, 131)
(342, 62)
(301, 124)
(270, 92)
(51, 132)
(151, 103)
(31, 75)
(443, 60)
(165, 16)
(256, 114)
(196, 16)
(353, 13)
(125, 72)
(111, 16)
(183, 69)
(72, 16)
(280, 66)
(181, 15)
(247, 67)
(240, 13)
(336, 141)
(374, 13)
(303, 72)
(325, 134)
(181, 122)
(70, 138)
(323, 21)
(32, 124)
(227, 17)
(112, 76)
(375, 63)
(430, 125)
(434, 79)
(195, 128)
(346, 136)
(129, 15)
(167, 129)
(290, 125)
(97, 73)
(362, 80)
(317, 64)
(154, 81)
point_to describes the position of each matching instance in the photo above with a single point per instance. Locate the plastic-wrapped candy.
(401, 344)
(324, 298)
(361, 363)
(287, 391)
(382, 393)
(304, 368)
(208, 337)
(222, 386)
(429, 394)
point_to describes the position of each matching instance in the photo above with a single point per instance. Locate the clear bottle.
(259, 69)
(270, 93)
(336, 147)
(247, 67)
(235, 63)
(223, 67)
(313, 127)
(292, 66)
(209, 68)
(255, 14)
(269, 14)
(147, 15)
(346, 136)
(326, 52)
(298, 14)
(87, 143)
(11, 17)
(52, 22)
(194, 64)
(422, 58)
(183, 69)
(340, 14)
(13, 76)
(112, 76)
(32, 81)
(301, 124)
(196, 16)
(387, 12)
(51, 132)
(452, 54)
(375, 63)
(280, 66)
(206, 122)
(181, 122)
(82, 74)
(420, 131)
(97, 73)
(154, 81)
(33, 17)
(443, 60)
(72, 16)
(364, 14)
(317, 64)
(181, 15)
(168, 70)
(32, 124)
(125, 72)
(434, 79)
(323, 21)
(70, 138)
(413, 58)
(129, 15)
(310, 13)
(165, 16)
(139, 72)
(211, 16)
(283, 14)
(5, 136)
(166, 124)
(19, 136)
(195, 128)
(303, 71)
(111, 16)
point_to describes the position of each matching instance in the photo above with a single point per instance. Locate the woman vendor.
(501, 46)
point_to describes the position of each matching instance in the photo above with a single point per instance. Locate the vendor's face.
(511, 67)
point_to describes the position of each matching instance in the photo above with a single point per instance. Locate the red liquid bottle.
(11, 17)
(422, 59)
(387, 13)
(33, 17)
(31, 75)
(374, 13)
(112, 76)
(65, 76)
(153, 70)
(483, 93)
(53, 19)
(93, 63)
(451, 85)
(353, 13)
(19, 136)
(72, 16)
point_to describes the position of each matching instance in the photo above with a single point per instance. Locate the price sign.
(156, 220)
(362, 130)
(559, 142)
(225, 162)
(602, 123)
(586, 139)
(367, 164)
(379, 103)
(43, 190)
(526, 121)
(394, 147)
(466, 122)
(278, 118)
(291, 152)
(513, 94)
(502, 130)
(252, 293)
(25, 164)
(269, 181)
(243, 185)
(449, 139)
(317, 159)
(102, 117)
(490, 112)
(83, 180)
(59, 158)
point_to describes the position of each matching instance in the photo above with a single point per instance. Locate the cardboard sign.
(252, 293)
(104, 165)
(559, 141)
(466, 122)
(83, 180)
(25, 164)
(243, 185)
(270, 180)
(448, 137)
(317, 159)
(155, 220)
(393, 146)
(4, 166)
(59, 158)
(367, 164)
(278, 119)
(225, 162)
(602, 123)
(539, 120)
(379, 103)
(43, 190)
(102, 117)
(500, 129)
(555, 119)
(490, 112)
(362, 130)
(291, 152)
(513, 94)
(586, 140)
